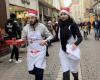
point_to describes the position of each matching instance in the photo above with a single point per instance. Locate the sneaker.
(10, 60)
(19, 61)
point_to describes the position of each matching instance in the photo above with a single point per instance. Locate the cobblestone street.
(38, 22)
(90, 62)
(12, 71)
(89, 67)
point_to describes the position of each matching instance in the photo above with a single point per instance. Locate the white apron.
(35, 52)
(66, 62)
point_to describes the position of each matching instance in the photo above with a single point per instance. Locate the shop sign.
(25, 1)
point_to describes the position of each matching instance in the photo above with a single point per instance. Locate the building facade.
(96, 7)
(20, 7)
(48, 10)
(82, 10)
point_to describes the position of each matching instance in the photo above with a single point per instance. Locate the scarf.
(65, 33)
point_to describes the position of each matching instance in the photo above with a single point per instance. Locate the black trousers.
(89, 31)
(15, 51)
(66, 75)
(47, 53)
(38, 73)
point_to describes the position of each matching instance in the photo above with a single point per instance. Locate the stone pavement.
(59, 76)
(12, 71)
(89, 66)
(90, 62)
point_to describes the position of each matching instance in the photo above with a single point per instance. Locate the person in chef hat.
(33, 33)
(69, 33)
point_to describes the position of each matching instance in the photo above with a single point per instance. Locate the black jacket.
(12, 28)
(65, 33)
(76, 33)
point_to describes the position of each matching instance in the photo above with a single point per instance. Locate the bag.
(75, 54)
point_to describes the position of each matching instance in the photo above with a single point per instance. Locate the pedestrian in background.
(69, 34)
(13, 31)
(85, 30)
(50, 27)
(96, 28)
(81, 25)
(33, 33)
(56, 29)
(89, 26)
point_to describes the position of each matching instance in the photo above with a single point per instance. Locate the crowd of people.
(96, 25)
(87, 26)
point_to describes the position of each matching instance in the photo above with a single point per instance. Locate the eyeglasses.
(63, 14)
